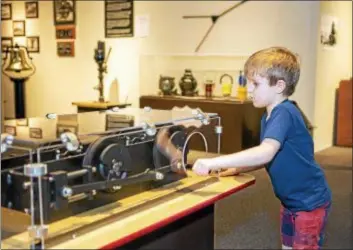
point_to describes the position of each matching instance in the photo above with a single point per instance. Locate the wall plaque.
(119, 18)
(65, 32)
(35, 133)
(66, 49)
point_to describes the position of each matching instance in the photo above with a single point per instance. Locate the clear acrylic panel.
(60, 161)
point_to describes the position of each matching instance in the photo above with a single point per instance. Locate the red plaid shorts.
(304, 230)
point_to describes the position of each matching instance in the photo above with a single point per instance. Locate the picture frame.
(65, 32)
(6, 11)
(119, 18)
(6, 42)
(33, 44)
(66, 49)
(64, 12)
(65, 128)
(22, 122)
(31, 9)
(19, 28)
(35, 133)
(10, 130)
(329, 28)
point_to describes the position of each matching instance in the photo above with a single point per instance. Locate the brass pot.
(166, 85)
(188, 84)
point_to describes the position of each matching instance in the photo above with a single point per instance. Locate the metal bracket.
(38, 232)
(218, 130)
(70, 141)
(6, 141)
(35, 169)
(203, 117)
(150, 129)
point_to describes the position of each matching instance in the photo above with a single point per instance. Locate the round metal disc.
(115, 162)
(92, 152)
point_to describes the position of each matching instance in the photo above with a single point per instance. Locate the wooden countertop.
(215, 99)
(129, 226)
(99, 105)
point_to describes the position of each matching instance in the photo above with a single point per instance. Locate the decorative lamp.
(101, 59)
(18, 66)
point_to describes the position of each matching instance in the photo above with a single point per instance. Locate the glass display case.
(57, 167)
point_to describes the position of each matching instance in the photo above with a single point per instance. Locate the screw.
(159, 176)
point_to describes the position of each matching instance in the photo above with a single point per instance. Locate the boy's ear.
(280, 86)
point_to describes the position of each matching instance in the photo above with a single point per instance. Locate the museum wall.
(253, 26)
(333, 65)
(59, 81)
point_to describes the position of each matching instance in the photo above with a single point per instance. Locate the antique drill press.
(101, 60)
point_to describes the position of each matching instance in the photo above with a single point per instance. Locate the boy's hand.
(224, 172)
(202, 167)
(167, 148)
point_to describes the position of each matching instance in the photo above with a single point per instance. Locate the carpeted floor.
(250, 219)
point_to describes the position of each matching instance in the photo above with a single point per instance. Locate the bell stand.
(19, 89)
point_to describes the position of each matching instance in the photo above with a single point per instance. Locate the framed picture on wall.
(119, 18)
(6, 11)
(6, 42)
(65, 128)
(35, 133)
(65, 32)
(64, 12)
(31, 9)
(19, 28)
(33, 44)
(66, 49)
(22, 122)
(10, 130)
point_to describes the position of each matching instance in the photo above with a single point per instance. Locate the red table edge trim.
(173, 218)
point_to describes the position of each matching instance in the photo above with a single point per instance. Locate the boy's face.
(261, 92)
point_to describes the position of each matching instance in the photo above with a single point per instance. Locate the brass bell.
(18, 61)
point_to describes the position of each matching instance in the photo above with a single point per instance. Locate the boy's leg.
(309, 228)
(287, 228)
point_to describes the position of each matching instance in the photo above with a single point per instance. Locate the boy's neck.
(279, 100)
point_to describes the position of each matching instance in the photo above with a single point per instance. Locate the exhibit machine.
(58, 166)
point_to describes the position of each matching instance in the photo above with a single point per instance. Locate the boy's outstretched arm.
(234, 171)
(252, 158)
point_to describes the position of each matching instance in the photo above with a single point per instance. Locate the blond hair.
(275, 63)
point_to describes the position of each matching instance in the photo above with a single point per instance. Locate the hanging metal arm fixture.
(214, 19)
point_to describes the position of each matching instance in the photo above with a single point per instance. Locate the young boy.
(286, 150)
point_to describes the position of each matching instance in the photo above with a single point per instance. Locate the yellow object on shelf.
(226, 85)
(227, 88)
(242, 93)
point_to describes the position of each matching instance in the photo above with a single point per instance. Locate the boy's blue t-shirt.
(298, 181)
